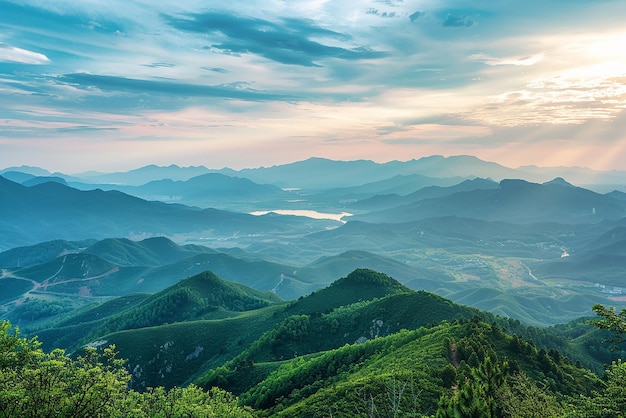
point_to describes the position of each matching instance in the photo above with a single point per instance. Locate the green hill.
(346, 350)
(149, 252)
(213, 332)
(360, 285)
(203, 296)
(221, 317)
(301, 334)
(39, 253)
(415, 369)
(67, 267)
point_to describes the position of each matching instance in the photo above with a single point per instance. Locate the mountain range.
(326, 287)
(334, 174)
(364, 327)
(502, 245)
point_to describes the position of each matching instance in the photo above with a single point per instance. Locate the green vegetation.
(611, 321)
(38, 384)
(365, 346)
(204, 296)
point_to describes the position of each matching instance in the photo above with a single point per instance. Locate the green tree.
(38, 384)
(610, 402)
(611, 321)
(191, 401)
(467, 402)
(477, 395)
(521, 397)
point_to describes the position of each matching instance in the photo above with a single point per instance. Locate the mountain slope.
(415, 368)
(388, 201)
(206, 190)
(55, 211)
(320, 173)
(147, 348)
(303, 335)
(155, 251)
(39, 253)
(203, 296)
(515, 201)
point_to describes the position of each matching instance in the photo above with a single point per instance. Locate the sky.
(112, 85)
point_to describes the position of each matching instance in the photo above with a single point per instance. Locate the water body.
(308, 213)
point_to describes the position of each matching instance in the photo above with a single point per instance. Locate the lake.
(302, 212)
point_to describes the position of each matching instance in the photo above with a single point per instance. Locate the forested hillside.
(364, 346)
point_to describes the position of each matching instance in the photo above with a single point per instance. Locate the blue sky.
(115, 85)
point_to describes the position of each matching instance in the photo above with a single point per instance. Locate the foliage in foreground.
(35, 384)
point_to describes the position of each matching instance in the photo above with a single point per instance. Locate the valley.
(221, 288)
(463, 237)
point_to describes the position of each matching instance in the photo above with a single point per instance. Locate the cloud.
(564, 97)
(123, 84)
(392, 3)
(416, 16)
(493, 61)
(160, 65)
(377, 12)
(457, 21)
(10, 53)
(215, 69)
(263, 73)
(288, 42)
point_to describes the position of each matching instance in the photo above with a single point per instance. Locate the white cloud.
(523, 61)
(10, 53)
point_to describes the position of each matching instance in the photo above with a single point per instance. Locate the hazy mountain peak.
(43, 179)
(560, 181)
(27, 169)
(367, 277)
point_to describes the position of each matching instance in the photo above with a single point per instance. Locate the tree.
(467, 402)
(477, 395)
(38, 384)
(611, 321)
(610, 402)
(35, 384)
(522, 397)
(191, 401)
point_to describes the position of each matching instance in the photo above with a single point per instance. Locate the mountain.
(412, 372)
(388, 350)
(355, 357)
(156, 251)
(40, 180)
(55, 211)
(40, 253)
(25, 171)
(17, 176)
(197, 344)
(320, 173)
(380, 202)
(203, 296)
(514, 201)
(144, 175)
(399, 184)
(63, 271)
(600, 181)
(316, 173)
(617, 195)
(211, 190)
(601, 264)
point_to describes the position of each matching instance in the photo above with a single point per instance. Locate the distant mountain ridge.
(332, 173)
(516, 201)
(53, 210)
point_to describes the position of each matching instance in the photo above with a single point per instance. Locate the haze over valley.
(381, 208)
(539, 249)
